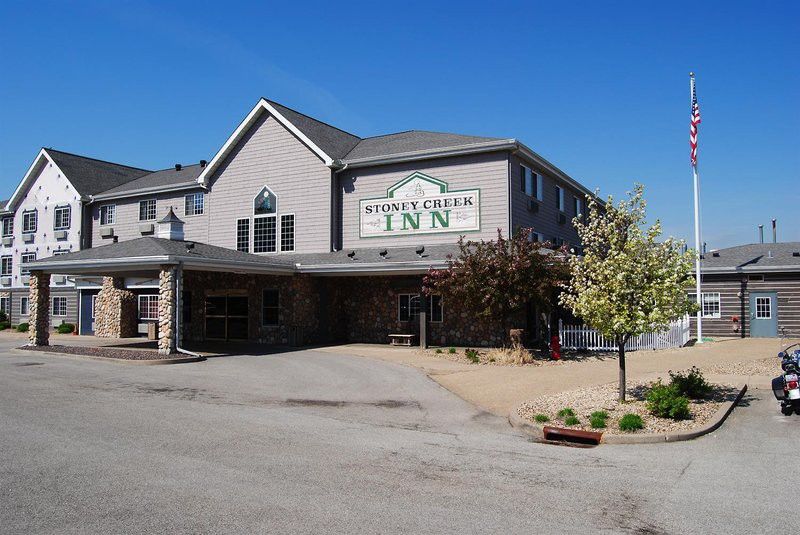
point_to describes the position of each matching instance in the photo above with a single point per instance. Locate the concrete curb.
(151, 362)
(536, 432)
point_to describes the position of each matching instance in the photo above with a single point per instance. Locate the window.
(29, 220)
(530, 182)
(264, 235)
(265, 202)
(60, 252)
(24, 309)
(62, 216)
(148, 307)
(560, 198)
(147, 210)
(711, 304)
(193, 204)
(108, 213)
(8, 226)
(94, 304)
(59, 306)
(24, 259)
(270, 307)
(6, 264)
(577, 203)
(763, 308)
(408, 306)
(536, 237)
(5, 305)
(243, 235)
(287, 232)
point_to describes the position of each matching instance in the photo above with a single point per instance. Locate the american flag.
(695, 120)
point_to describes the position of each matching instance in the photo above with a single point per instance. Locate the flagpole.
(697, 242)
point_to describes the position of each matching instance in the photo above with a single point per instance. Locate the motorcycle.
(786, 387)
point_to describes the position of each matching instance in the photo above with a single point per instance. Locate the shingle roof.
(371, 255)
(411, 141)
(333, 141)
(3, 205)
(91, 176)
(165, 177)
(754, 256)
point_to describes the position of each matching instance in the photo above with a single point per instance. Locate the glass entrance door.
(226, 316)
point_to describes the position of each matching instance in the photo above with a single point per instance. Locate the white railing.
(584, 337)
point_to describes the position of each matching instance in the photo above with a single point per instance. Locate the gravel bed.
(769, 366)
(107, 352)
(604, 397)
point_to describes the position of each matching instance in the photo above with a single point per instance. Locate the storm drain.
(571, 437)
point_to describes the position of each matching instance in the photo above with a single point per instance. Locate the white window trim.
(35, 214)
(253, 206)
(202, 203)
(139, 304)
(7, 218)
(294, 236)
(263, 321)
(5, 306)
(420, 296)
(249, 234)
(718, 299)
(55, 217)
(277, 234)
(53, 306)
(755, 312)
(22, 261)
(113, 206)
(561, 207)
(155, 210)
(10, 259)
(24, 299)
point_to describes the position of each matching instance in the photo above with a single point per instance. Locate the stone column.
(116, 310)
(167, 310)
(39, 309)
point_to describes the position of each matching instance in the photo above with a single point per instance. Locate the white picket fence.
(584, 337)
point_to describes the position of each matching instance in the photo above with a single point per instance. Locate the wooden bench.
(402, 339)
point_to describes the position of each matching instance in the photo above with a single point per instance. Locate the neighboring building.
(751, 290)
(295, 230)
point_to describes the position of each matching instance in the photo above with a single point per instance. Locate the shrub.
(511, 355)
(571, 420)
(3, 317)
(452, 350)
(691, 384)
(439, 350)
(600, 414)
(65, 328)
(472, 354)
(597, 422)
(541, 418)
(631, 422)
(563, 413)
(22, 327)
(4, 325)
(665, 401)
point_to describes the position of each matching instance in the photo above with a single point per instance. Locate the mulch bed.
(107, 352)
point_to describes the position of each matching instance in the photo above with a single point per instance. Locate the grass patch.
(511, 355)
(571, 420)
(597, 422)
(565, 412)
(439, 350)
(631, 422)
(452, 350)
(541, 418)
(472, 355)
(600, 414)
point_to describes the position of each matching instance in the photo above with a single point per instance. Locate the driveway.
(318, 442)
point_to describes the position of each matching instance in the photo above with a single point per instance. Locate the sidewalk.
(499, 389)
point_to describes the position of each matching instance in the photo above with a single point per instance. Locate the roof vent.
(203, 163)
(178, 167)
(769, 254)
(383, 254)
(715, 254)
(351, 255)
(170, 227)
(420, 250)
(189, 246)
(796, 253)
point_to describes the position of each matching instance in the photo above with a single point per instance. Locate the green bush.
(571, 420)
(3, 317)
(452, 350)
(541, 418)
(631, 422)
(65, 328)
(472, 354)
(563, 413)
(22, 327)
(666, 401)
(600, 414)
(597, 422)
(439, 350)
(691, 384)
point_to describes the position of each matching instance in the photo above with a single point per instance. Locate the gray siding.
(126, 225)
(488, 172)
(787, 285)
(72, 306)
(269, 155)
(545, 221)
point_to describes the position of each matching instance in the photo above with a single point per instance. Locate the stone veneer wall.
(39, 309)
(116, 310)
(166, 310)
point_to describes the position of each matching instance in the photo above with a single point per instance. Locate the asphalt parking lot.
(316, 442)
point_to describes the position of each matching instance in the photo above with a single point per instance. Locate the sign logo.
(420, 204)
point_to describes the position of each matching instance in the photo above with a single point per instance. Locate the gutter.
(490, 146)
(751, 269)
(133, 262)
(146, 191)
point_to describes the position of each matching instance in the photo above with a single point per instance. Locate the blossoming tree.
(496, 279)
(629, 281)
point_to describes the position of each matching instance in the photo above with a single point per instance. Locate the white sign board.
(420, 204)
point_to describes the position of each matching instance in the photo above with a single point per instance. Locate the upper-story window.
(287, 232)
(578, 205)
(62, 217)
(108, 213)
(265, 222)
(147, 210)
(24, 259)
(8, 226)
(193, 204)
(530, 182)
(6, 265)
(243, 235)
(560, 198)
(29, 221)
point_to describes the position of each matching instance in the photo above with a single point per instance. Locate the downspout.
(179, 312)
(335, 207)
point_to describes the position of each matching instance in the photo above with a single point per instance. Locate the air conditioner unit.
(146, 228)
(60, 234)
(26, 279)
(107, 232)
(8, 241)
(28, 238)
(5, 281)
(58, 279)
(533, 205)
(562, 219)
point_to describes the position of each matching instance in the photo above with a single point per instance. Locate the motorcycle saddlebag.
(777, 388)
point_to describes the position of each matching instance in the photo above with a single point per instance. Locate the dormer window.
(62, 216)
(29, 221)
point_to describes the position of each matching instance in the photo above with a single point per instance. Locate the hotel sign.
(420, 204)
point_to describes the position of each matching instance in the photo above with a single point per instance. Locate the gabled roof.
(91, 176)
(754, 257)
(411, 141)
(166, 178)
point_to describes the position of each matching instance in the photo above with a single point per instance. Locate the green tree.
(496, 279)
(629, 281)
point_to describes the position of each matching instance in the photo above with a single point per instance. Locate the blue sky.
(601, 90)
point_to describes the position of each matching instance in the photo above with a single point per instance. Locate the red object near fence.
(555, 347)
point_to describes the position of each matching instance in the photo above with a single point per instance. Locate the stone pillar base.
(39, 309)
